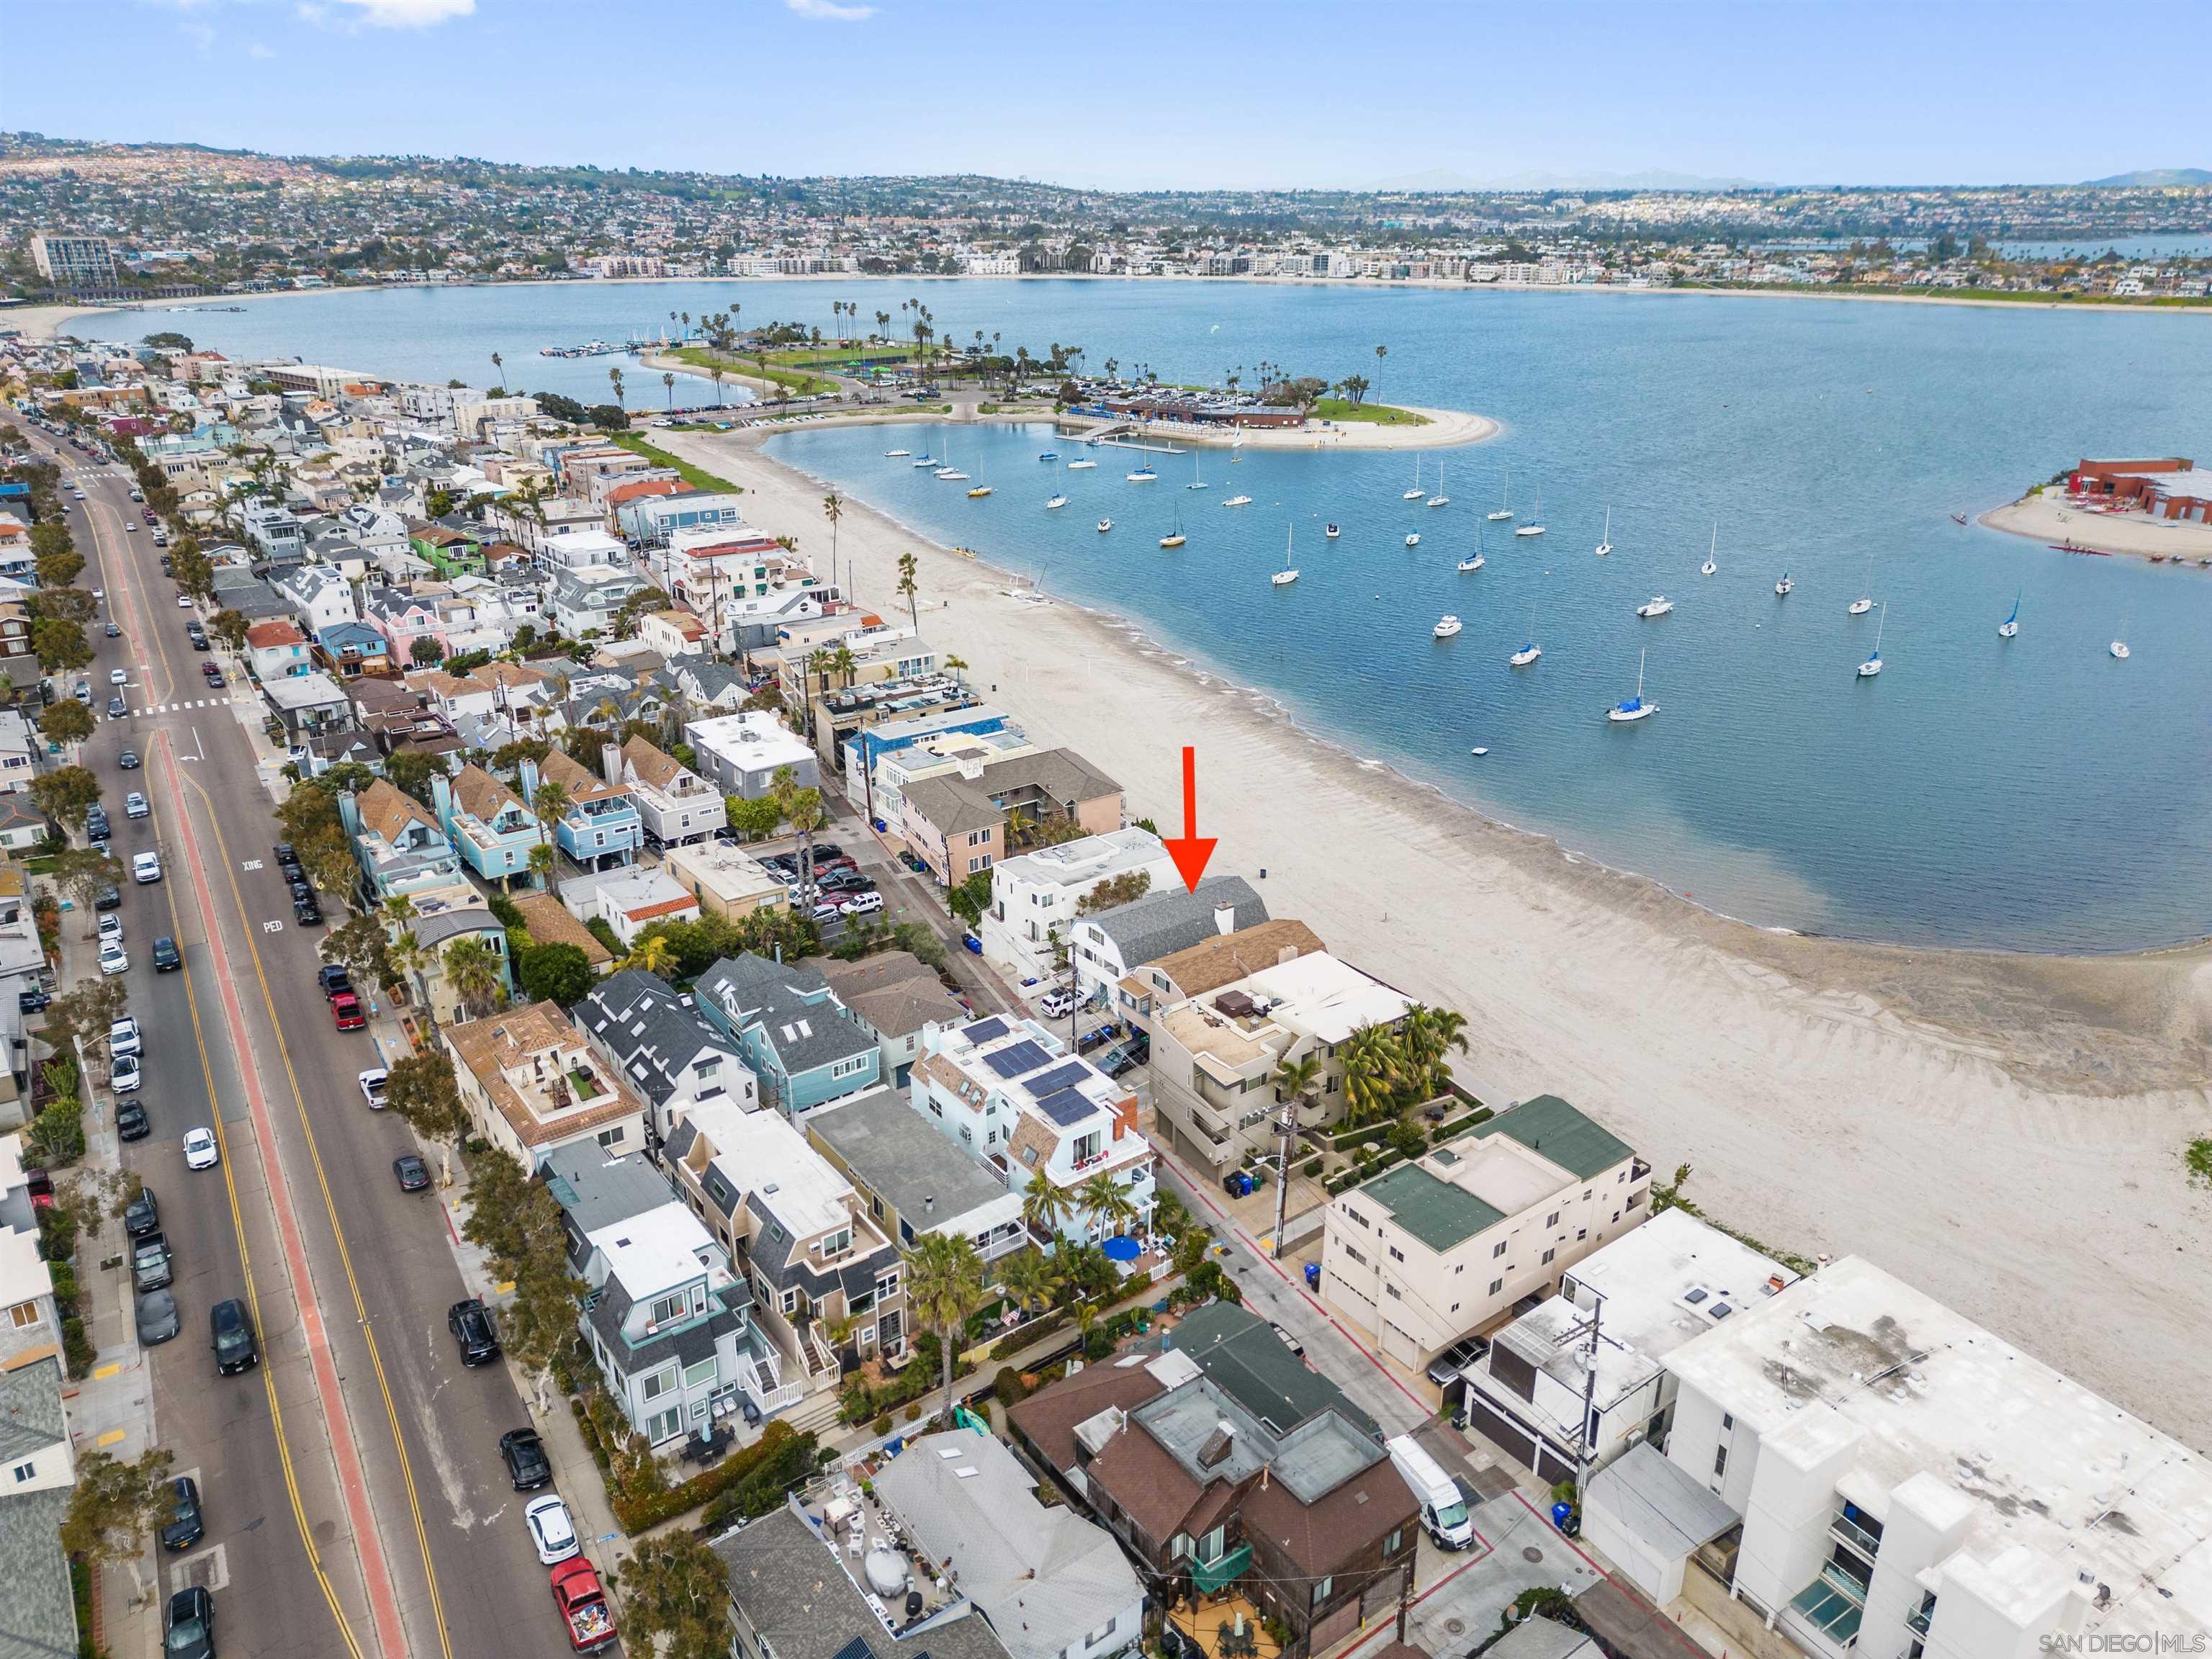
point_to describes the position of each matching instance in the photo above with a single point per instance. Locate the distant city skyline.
(1142, 95)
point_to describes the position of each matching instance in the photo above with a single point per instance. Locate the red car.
(345, 1008)
(583, 1606)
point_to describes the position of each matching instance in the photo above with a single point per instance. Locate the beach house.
(398, 840)
(531, 1084)
(674, 804)
(792, 1031)
(488, 823)
(1103, 947)
(600, 824)
(671, 1055)
(1036, 896)
(964, 821)
(914, 1181)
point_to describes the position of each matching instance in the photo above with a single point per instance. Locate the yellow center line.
(338, 1230)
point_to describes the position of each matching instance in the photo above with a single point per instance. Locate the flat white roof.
(1092, 859)
(757, 738)
(761, 1153)
(650, 1252)
(2047, 1466)
(1325, 996)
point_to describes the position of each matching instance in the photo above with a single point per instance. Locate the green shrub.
(1312, 1170)
(748, 1482)
(1007, 1385)
(881, 1426)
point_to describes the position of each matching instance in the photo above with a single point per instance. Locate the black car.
(847, 881)
(187, 1525)
(827, 849)
(116, 708)
(128, 760)
(131, 1122)
(300, 890)
(191, 1627)
(414, 1174)
(32, 1000)
(524, 1453)
(152, 1266)
(143, 1215)
(232, 1327)
(109, 897)
(95, 820)
(306, 912)
(115, 631)
(157, 1318)
(167, 958)
(286, 859)
(470, 1323)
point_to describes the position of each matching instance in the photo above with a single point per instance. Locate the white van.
(1443, 1510)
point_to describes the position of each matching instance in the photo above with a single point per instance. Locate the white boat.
(1872, 665)
(1238, 501)
(1605, 541)
(1196, 483)
(1446, 627)
(1048, 455)
(1710, 564)
(2009, 627)
(1055, 503)
(1440, 499)
(1081, 466)
(1528, 653)
(1332, 532)
(1478, 752)
(1536, 525)
(1413, 539)
(1143, 474)
(1634, 708)
(1658, 605)
(951, 475)
(1504, 499)
(1474, 564)
(1283, 578)
(1287, 574)
(1105, 525)
(2119, 644)
(1865, 603)
(895, 454)
(1415, 492)
(1782, 588)
(925, 460)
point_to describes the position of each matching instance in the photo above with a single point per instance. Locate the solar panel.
(1060, 1077)
(855, 1649)
(984, 1029)
(1017, 1058)
(1067, 1107)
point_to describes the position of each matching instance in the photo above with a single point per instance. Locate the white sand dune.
(2005, 1131)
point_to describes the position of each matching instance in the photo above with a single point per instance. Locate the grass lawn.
(704, 358)
(698, 477)
(1336, 409)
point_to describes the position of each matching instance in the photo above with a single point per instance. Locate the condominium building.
(1101, 948)
(1036, 896)
(1429, 1250)
(741, 754)
(74, 262)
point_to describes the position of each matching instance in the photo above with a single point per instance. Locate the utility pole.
(1286, 1128)
(1406, 1592)
(1586, 1442)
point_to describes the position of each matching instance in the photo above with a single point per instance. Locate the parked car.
(287, 859)
(109, 897)
(202, 1150)
(524, 1453)
(143, 1215)
(860, 904)
(232, 1329)
(113, 958)
(134, 806)
(146, 867)
(552, 1534)
(156, 1317)
(151, 1266)
(847, 881)
(1445, 1368)
(583, 1606)
(413, 1174)
(1056, 1004)
(124, 1078)
(33, 997)
(166, 957)
(333, 979)
(187, 1524)
(346, 1012)
(372, 1082)
(306, 912)
(470, 1323)
(191, 1633)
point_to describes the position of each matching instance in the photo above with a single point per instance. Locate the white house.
(320, 596)
(740, 754)
(674, 803)
(1035, 895)
(629, 899)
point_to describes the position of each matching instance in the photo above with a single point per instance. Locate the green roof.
(1255, 1368)
(1435, 1212)
(1551, 1129)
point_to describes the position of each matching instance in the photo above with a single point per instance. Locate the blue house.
(602, 825)
(349, 649)
(793, 1033)
(489, 824)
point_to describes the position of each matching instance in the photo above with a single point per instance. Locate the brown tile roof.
(1347, 1523)
(1031, 1144)
(483, 796)
(276, 631)
(387, 810)
(548, 921)
(580, 781)
(1048, 1417)
(487, 1047)
(1227, 958)
(652, 767)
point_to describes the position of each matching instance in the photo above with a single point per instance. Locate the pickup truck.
(151, 1266)
(583, 1606)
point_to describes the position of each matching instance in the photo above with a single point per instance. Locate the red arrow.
(1190, 850)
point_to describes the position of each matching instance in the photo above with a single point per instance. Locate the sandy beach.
(2005, 1131)
(2047, 518)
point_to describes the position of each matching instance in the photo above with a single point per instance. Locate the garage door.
(1399, 1346)
(1539, 1457)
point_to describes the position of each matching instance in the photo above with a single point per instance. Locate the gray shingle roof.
(790, 1585)
(1250, 1363)
(1160, 923)
(892, 1148)
(37, 1617)
(597, 1191)
(805, 1031)
(652, 1036)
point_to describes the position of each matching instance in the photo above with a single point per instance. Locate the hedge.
(780, 1448)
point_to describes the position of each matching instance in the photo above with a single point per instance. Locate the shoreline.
(1985, 1123)
(2048, 519)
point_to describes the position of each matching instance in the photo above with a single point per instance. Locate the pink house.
(404, 618)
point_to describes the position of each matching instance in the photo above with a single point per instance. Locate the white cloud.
(410, 13)
(828, 11)
(257, 49)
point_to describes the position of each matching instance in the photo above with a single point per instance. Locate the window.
(1102, 1632)
(790, 1301)
(838, 1242)
(612, 1138)
(23, 1472)
(700, 1374)
(1496, 1285)
(1354, 1217)
(1390, 1544)
(1548, 1255)
(660, 1382)
(1720, 1461)
(1396, 1255)
(1179, 1546)
(705, 1068)
(888, 1285)
(1213, 1546)
(1394, 1292)
(23, 1313)
(1498, 1249)
(667, 1308)
(1355, 1255)
(1553, 1219)
(1320, 1590)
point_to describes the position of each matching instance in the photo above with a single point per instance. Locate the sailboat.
(1083, 465)
(950, 473)
(1196, 483)
(1634, 708)
(1055, 503)
(1143, 474)
(1105, 525)
(1710, 563)
(1782, 588)
(1605, 541)
(1440, 499)
(1415, 492)
(979, 492)
(2009, 627)
(1872, 665)
(1530, 650)
(1414, 538)
(1535, 525)
(1504, 499)
(925, 459)
(2119, 644)
(1447, 626)
(1175, 538)
(1288, 574)
(1048, 455)
(1475, 562)
(889, 454)
(1865, 603)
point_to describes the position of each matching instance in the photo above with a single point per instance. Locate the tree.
(69, 603)
(1046, 1204)
(802, 809)
(56, 567)
(516, 1222)
(83, 1015)
(550, 803)
(753, 820)
(971, 898)
(409, 771)
(615, 379)
(1110, 1208)
(425, 653)
(556, 973)
(472, 973)
(945, 1282)
(1026, 1280)
(421, 1088)
(59, 645)
(498, 363)
(67, 721)
(908, 589)
(65, 795)
(1295, 1080)
(1429, 1034)
(1371, 1063)
(115, 1503)
(668, 381)
(230, 627)
(81, 872)
(363, 947)
(675, 1593)
(194, 571)
(643, 603)
(833, 508)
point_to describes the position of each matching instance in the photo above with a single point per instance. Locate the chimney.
(929, 1205)
(1224, 917)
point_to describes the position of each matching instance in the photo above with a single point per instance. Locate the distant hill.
(2153, 179)
(1445, 179)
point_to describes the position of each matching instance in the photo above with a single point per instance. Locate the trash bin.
(1313, 1275)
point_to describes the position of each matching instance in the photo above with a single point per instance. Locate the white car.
(113, 959)
(550, 1529)
(124, 1036)
(862, 904)
(1056, 1005)
(119, 677)
(125, 1080)
(372, 1086)
(111, 927)
(134, 806)
(201, 1150)
(147, 866)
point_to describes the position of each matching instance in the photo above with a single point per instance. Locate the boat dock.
(597, 349)
(1112, 437)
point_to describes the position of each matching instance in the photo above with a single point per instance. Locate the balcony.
(1917, 1620)
(1833, 1605)
(1855, 1536)
(767, 1397)
(1207, 1578)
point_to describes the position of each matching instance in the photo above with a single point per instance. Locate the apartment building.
(1007, 1093)
(675, 804)
(1105, 947)
(531, 1084)
(914, 1181)
(1034, 896)
(1214, 1057)
(740, 754)
(869, 723)
(1448, 1243)
(724, 880)
(1214, 964)
(1858, 1469)
(672, 1056)
(74, 262)
(964, 820)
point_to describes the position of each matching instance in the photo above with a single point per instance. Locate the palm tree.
(1429, 1034)
(1026, 1280)
(1046, 1204)
(549, 801)
(1371, 1063)
(1381, 352)
(844, 665)
(802, 810)
(945, 1282)
(668, 382)
(833, 508)
(907, 586)
(472, 972)
(1109, 1206)
(653, 955)
(614, 376)
(955, 664)
(541, 863)
(1296, 1079)
(715, 374)
(497, 364)
(883, 323)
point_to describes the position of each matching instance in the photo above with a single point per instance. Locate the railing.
(1208, 1576)
(767, 1399)
(1918, 1619)
(1853, 1536)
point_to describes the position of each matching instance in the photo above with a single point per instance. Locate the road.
(357, 1503)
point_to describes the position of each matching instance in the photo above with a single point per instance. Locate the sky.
(1136, 94)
